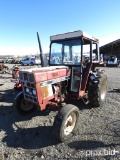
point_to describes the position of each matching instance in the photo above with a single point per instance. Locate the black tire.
(97, 89)
(20, 105)
(31, 64)
(65, 123)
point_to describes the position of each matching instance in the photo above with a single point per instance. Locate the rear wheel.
(21, 106)
(65, 122)
(97, 89)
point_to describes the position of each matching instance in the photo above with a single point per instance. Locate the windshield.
(66, 52)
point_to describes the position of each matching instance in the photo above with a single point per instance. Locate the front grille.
(29, 91)
(26, 77)
(28, 84)
(30, 98)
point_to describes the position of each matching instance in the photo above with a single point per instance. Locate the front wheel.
(65, 122)
(21, 106)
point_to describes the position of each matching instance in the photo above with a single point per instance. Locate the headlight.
(27, 90)
(34, 92)
(92, 77)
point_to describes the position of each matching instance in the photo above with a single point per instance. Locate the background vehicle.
(68, 77)
(4, 61)
(16, 61)
(113, 61)
(8, 60)
(30, 61)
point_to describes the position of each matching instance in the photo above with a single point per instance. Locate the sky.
(20, 20)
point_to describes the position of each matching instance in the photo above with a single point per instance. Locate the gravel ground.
(30, 137)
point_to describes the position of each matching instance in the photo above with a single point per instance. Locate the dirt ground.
(30, 137)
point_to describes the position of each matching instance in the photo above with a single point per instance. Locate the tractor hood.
(44, 73)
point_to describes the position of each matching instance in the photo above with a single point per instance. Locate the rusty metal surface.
(45, 92)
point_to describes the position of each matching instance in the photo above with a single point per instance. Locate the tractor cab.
(75, 50)
(71, 48)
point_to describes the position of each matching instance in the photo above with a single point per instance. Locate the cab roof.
(74, 34)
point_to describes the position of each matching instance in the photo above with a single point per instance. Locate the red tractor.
(68, 76)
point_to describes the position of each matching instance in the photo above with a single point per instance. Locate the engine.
(43, 85)
(60, 90)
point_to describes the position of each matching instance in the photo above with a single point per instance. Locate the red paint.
(45, 74)
(40, 77)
